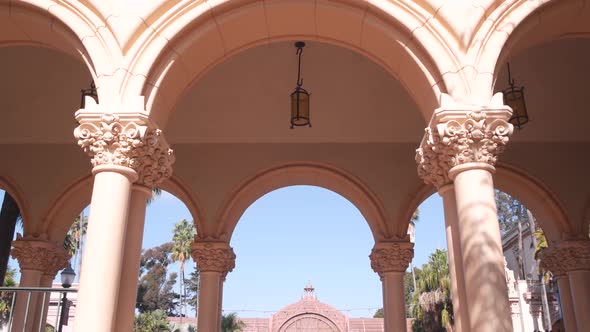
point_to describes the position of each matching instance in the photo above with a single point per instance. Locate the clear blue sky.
(299, 234)
(295, 235)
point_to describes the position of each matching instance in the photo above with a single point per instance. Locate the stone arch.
(532, 192)
(77, 196)
(172, 55)
(536, 196)
(16, 193)
(68, 28)
(176, 187)
(300, 173)
(66, 207)
(519, 25)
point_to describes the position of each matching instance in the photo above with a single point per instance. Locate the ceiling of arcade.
(360, 113)
(246, 100)
(554, 145)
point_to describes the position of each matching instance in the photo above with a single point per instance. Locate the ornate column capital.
(38, 254)
(566, 256)
(391, 256)
(128, 140)
(462, 134)
(214, 257)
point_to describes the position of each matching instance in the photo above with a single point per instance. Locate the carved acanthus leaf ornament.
(566, 256)
(214, 257)
(461, 138)
(39, 255)
(391, 257)
(128, 144)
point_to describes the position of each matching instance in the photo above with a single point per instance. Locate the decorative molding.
(458, 137)
(214, 257)
(391, 257)
(566, 256)
(38, 254)
(110, 140)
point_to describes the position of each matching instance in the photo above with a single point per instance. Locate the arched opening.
(430, 299)
(298, 235)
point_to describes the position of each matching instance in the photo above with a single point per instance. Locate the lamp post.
(67, 278)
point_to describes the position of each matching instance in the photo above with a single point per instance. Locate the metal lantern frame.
(300, 107)
(514, 97)
(91, 92)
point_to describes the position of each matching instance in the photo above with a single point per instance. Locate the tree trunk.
(9, 215)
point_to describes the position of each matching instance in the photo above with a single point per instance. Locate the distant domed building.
(311, 315)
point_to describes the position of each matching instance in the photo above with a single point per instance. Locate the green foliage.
(152, 321)
(73, 239)
(431, 304)
(6, 297)
(510, 211)
(192, 290)
(379, 313)
(183, 235)
(231, 323)
(156, 192)
(409, 284)
(155, 289)
(541, 243)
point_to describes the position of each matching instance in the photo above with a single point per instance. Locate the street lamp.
(67, 279)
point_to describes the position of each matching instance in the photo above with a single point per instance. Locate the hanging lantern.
(514, 97)
(300, 97)
(90, 93)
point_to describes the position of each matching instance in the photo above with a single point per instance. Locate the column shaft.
(101, 272)
(394, 303)
(209, 302)
(580, 291)
(43, 303)
(26, 305)
(485, 281)
(458, 294)
(567, 306)
(132, 257)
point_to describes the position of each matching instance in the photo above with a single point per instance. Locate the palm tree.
(184, 233)
(231, 323)
(431, 303)
(9, 216)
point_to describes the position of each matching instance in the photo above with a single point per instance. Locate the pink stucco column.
(573, 258)
(214, 260)
(458, 294)
(131, 258)
(103, 252)
(42, 308)
(36, 257)
(567, 305)
(483, 259)
(123, 148)
(391, 260)
(463, 143)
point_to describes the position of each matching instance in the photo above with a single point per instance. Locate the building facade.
(194, 97)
